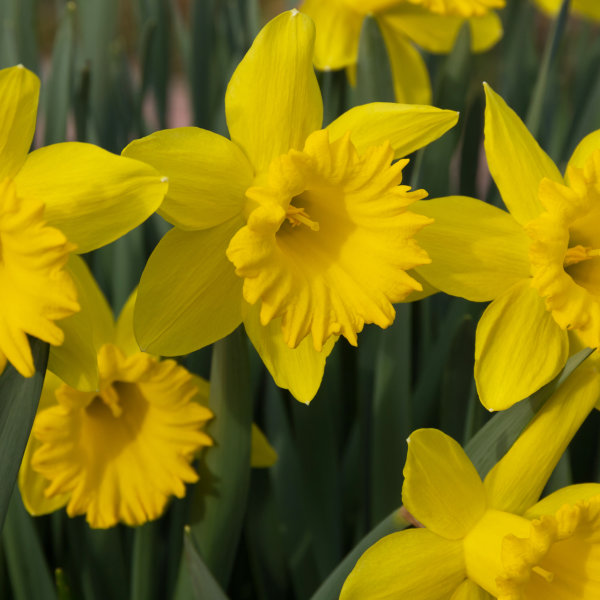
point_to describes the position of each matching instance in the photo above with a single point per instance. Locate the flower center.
(328, 240)
(565, 247)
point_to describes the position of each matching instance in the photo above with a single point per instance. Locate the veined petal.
(518, 479)
(468, 590)
(189, 295)
(584, 151)
(516, 161)
(208, 175)
(437, 33)
(400, 566)
(262, 454)
(442, 488)
(299, 370)
(509, 362)
(124, 333)
(273, 100)
(76, 360)
(477, 251)
(567, 495)
(19, 91)
(91, 195)
(338, 33)
(409, 72)
(407, 127)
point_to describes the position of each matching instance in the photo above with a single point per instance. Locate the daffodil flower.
(64, 198)
(539, 263)
(493, 538)
(430, 24)
(585, 8)
(302, 233)
(120, 453)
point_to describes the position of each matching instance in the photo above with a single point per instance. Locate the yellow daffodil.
(539, 263)
(117, 454)
(430, 24)
(492, 538)
(64, 198)
(585, 8)
(302, 233)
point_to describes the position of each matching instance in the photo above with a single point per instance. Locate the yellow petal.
(441, 488)
(299, 370)
(262, 454)
(414, 564)
(518, 347)
(338, 33)
(31, 483)
(19, 91)
(468, 590)
(273, 100)
(567, 495)
(189, 295)
(124, 336)
(93, 196)
(409, 72)
(584, 150)
(428, 289)
(76, 361)
(208, 175)
(587, 8)
(516, 161)
(406, 127)
(518, 479)
(437, 33)
(477, 251)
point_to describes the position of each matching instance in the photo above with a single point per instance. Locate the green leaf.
(19, 397)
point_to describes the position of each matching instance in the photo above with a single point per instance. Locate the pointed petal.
(208, 175)
(477, 251)
(441, 488)
(518, 347)
(273, 100)
(407, 127)
(262, 454)
(19, 91)
(93, 196)
(516, 161)
(518, 479)
(437, 33)
(76, 360)
(124, 336)
(189, 295)
(400, 566)
(299, 370)
(338, 33)
(584, 150)
(409, 72)
(468, 590)
(567, 495)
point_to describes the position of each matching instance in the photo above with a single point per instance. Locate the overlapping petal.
(516, 161)
(584, 150)
(469, 590)
(189, 295)
(273, 100)
(442, 488)
(477, 251)
(208, 175)
(567, 495)
(517, 480)
(508, 363)
(415, 564)
(406, 127)
(91, 195)
(19, 91)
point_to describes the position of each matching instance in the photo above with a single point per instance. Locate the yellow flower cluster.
(305, 234)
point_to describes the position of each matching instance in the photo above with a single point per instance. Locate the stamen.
(548, 576)
(298, 216)
(578, 254)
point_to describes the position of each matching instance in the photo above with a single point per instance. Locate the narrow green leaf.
(27, 567)
(19, 397)
(144, 571)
